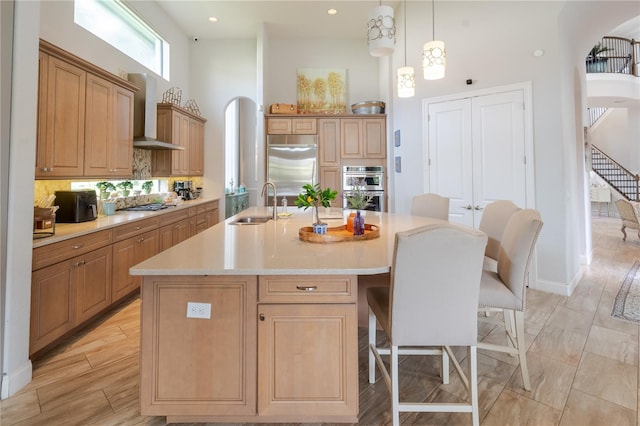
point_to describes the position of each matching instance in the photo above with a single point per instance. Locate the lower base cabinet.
(275, 349)
(198, 366)
(308, 360)
(127, 253)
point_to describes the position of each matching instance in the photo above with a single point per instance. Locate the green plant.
(359, 198)
(314, 196)
(105, 188)
(598, 49)
(147, 186)
(125, 185)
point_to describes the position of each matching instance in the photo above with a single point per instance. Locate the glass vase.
(358, 224)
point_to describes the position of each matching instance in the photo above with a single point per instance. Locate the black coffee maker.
(184, 189)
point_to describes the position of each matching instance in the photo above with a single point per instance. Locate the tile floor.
(583, 364)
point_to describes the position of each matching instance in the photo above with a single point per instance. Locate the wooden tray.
(338, 234)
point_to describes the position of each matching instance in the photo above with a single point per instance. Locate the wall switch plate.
(198, 310)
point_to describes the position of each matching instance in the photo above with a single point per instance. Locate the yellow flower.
(309, 199)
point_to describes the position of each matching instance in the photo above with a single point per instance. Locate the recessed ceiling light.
(538, 53)
(332, 11)
(213, 19)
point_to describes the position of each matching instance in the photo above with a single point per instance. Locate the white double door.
(476, 152)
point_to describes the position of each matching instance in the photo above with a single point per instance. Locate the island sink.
(251, 220)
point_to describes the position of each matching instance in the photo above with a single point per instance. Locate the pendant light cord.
(405, 33)
(433, 18)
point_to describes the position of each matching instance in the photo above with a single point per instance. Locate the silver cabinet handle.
(78, 246)
(261, 317)
(307, 288)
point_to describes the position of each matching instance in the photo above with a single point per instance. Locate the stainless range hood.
(145, 114)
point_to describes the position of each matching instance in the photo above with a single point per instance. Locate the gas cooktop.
(147, 207)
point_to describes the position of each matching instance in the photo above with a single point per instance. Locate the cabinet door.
(278, 126)
(196, 147)
(121, 152)
(64, 121)
(41, 142)
(180, 158)
(98, 127)
(216, 356)
(53, 307)
(332, 177)
(329, 142)
(351, 138)
(93, 278)
(374, 137)
(308, 360)
(161, 160)
(304, 126)
(127, 253)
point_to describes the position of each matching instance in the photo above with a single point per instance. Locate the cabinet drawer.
(126, 231)
(307, 289)
(57, 252)
(169, 218)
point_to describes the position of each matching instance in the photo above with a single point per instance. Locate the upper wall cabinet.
(85, 119)
(179, 127)
(363, 138)
(287, 126)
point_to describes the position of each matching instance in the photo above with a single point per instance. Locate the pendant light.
(406, 75)
(434, 55)
(381, 34)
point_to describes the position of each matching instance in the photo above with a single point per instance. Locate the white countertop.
(274, 248)
(65, 231)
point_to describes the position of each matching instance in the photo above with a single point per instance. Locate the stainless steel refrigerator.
(292, 161)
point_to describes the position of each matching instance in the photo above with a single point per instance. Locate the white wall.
(57, 27)
(220, 72)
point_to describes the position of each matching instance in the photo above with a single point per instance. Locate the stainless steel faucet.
(275, 197)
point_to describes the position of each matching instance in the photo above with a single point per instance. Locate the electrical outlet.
(198, 310)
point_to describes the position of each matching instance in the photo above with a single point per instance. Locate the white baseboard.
(13, 382)
(557, 287)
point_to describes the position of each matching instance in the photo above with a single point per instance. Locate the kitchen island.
(248, 323)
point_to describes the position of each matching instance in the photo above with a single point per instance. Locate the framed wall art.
(321, 91)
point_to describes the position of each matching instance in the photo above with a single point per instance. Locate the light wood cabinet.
(61, 112)
(85, 119)
(108, 129)
(93, 277)
(207, 215)
(196, 147)
(69, 289)
(307, 346)
(363, 138)
(215, 357)
(287, 126)
(332, 177)
(127, 253)
(181, 128)
(170, 235)
(329, 142)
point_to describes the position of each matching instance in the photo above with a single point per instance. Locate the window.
(119, 26)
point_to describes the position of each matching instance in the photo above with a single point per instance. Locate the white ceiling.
(289, 18)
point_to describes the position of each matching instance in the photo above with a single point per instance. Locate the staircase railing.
(621, 179)
(618, 55)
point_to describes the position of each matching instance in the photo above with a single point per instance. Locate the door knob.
(468, 207)
(477, 207)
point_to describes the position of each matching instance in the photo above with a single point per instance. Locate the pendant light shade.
(434, 55)
(406, 82)
(382, 31)
(434, 59)
(406, 75)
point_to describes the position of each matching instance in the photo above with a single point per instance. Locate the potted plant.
(595, 62)
(147, 186)
(358, 199)
(314, 196)
(126, 186)
(105, 189)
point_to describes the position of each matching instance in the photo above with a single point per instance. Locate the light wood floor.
(583, 364)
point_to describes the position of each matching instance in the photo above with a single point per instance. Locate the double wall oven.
(370, 179)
